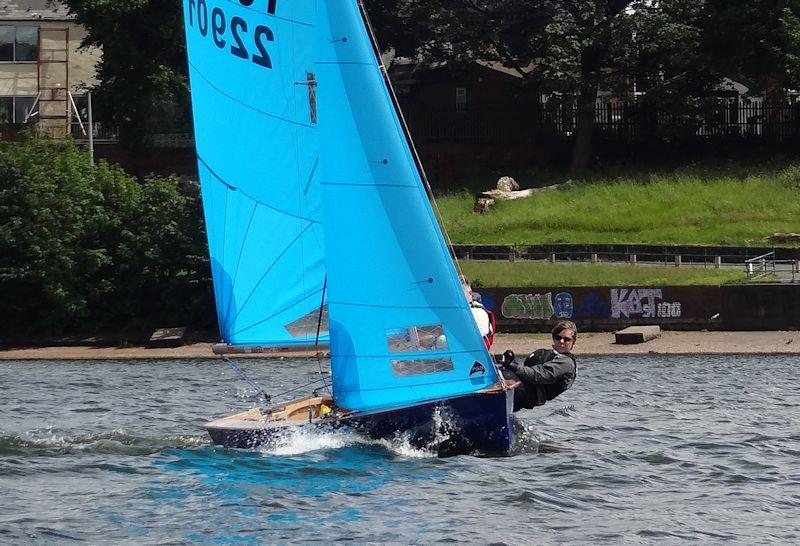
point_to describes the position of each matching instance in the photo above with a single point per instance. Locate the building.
(43, 71)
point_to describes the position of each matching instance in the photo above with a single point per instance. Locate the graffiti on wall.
(528, 306)
(644, 302)
(562, 305)
(592, 306)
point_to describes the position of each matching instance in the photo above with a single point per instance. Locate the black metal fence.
(632, 121)
(714, 118)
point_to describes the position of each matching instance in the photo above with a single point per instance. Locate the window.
(19, 44)
(461, 98)
(421, 366)
(16, 109)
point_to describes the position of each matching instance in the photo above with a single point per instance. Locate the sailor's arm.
(544, 373)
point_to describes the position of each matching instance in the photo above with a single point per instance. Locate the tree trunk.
(582, 147)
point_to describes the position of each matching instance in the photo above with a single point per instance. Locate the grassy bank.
(499, 273)
(726, 206)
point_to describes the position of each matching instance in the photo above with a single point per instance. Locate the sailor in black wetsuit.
(546, 373)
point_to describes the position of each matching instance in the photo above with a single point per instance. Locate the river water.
(642, 449)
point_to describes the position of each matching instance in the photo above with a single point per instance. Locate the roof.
(411, 65)
(33, 10)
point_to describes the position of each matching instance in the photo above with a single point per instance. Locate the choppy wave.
(119, 442)
(641, 449)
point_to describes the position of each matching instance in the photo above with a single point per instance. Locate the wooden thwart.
(301, 409)
(636, 334)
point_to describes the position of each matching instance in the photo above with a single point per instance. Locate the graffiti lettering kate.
(233, 34)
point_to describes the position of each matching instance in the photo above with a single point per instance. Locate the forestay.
(253, 86)
(401, 329)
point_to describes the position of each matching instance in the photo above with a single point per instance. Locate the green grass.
(499, 273)
(732, 205)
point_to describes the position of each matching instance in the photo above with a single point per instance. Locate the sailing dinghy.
(320, 230)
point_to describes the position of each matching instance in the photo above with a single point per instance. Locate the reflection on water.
(641, 449)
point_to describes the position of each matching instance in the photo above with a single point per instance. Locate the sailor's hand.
(506, 358)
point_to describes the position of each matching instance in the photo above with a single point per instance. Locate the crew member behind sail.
(483, 317)
(546, 373)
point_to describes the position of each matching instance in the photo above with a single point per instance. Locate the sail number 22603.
(232, 35)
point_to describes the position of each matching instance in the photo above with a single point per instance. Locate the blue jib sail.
(253, 95)
(401, 329)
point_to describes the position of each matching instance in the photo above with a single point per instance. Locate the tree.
(757, 40)
(678, 49)
(142, 74)
(89, 247)
(563, 47)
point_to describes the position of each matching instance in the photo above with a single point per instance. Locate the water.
(642, 449)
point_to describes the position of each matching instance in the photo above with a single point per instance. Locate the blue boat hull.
(480, 423)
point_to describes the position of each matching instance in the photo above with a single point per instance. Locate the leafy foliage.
(675, 51)
(90, 247)
(143, 81)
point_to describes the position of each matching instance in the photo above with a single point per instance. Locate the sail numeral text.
(233, 33)
(270, 5)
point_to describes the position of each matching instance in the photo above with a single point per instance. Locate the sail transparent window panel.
(416, 338)
(310, 324)
(421, 366)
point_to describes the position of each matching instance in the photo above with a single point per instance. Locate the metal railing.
(780, 263)
(766, 264)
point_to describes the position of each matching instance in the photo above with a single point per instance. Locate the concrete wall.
(749, 307)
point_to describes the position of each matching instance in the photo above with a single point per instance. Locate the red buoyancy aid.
(488, 339)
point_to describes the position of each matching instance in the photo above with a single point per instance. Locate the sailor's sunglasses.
(565, 339)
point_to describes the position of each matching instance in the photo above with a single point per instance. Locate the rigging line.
(319, 327)
(297, 388)
(241, 102)
(242, 375)
(257, 284)
(260, 202)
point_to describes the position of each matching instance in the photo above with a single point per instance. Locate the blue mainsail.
(253, 95)
(401, 330)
